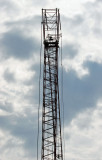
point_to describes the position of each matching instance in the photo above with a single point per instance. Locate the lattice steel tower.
(51, 123)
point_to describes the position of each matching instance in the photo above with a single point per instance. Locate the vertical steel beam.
(51, 123)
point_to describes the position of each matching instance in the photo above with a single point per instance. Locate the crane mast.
(51, 122)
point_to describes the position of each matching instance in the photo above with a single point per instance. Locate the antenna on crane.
(51, 121)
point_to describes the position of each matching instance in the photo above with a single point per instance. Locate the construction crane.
(51, 121)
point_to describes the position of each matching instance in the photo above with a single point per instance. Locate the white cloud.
(10, 146)
(84, 29)
(13, 92)
(83, 135)
(81, 29)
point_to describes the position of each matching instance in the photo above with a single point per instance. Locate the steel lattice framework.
(51, 123)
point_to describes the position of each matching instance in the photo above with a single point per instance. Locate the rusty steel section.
(51, 123)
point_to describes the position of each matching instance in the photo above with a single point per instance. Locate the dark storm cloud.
(70, 51)
(33, 94)
(5, 106)
(80, 94)
(16, 45)
(22, 127)
(9, 76)
(25, 129)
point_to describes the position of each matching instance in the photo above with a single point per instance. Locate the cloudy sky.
(20, 30)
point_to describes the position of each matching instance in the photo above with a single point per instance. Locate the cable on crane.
(62, 97)
(39, 96)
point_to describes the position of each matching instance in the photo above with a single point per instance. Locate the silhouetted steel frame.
(51, 123)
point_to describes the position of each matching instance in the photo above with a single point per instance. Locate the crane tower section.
(51, 123)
